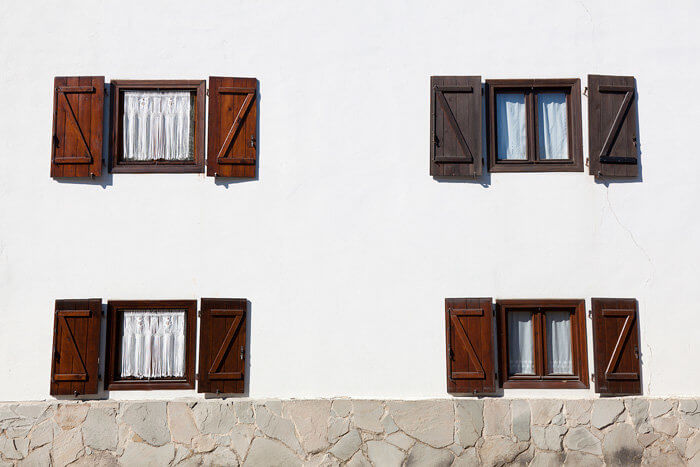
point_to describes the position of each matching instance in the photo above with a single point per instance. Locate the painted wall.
(345, 246)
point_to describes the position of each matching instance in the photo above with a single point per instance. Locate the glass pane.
(521, 345)
(511, 138)
(153, 344)
(158, 125)
(551, 125)
(559, 343)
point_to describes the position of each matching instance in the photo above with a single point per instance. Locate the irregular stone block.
(689, 406)
(646, 439)
(337, 427)
(142, 454)
(100, 428)
(220, 456)
(605, 412)
(148, 420)
(638, 409)
(37, 458)
(42, 434)
(692, 447)
(244, 411)
(8, 448)
(67, 446)
(423, 455)
(580, 439)
(430, 421)
(469, 421)
(547, 459)
(269, 452)
(666, 425)
(347, 445)
(181, 423)
(69, 416)
(341, 407)
(241, 436)
(366, 415)
(358, 460)
(520, 410)
(97, 459)
(277, 427)
(389, 424)
(620, 446)
(658, 407)
(468, 458)
(384, 454)
(543, 410)
(497, 451)
(400, 440)
(496, 417)
(548, 437)
(311, 421)
(581, 459)
(214, 417)
(578, 412)
(203, 443)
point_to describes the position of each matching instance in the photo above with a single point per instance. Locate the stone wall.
(460, 432)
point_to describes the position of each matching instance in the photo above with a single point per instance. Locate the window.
(158, 126)
(534, 125)
(542, 343)
(151, 344)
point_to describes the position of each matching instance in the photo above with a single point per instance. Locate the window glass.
(158, 126)
(511, 123)
(521, 345)
(551, 125)
(153, 344)
(559, 360)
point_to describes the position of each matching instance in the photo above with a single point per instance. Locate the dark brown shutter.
(470, 363)
(76, 144)
(616, 346)
(233, 123)
(455, 126)
(612, 126)
(222, 345)
(76, 347)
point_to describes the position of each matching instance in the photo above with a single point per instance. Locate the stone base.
(620, 431)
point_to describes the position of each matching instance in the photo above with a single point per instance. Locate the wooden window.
(76, 347)
(157, 126)
(455, 126)
(534, 125)
(233, 124)
(76, 143)
(616, 346)
(150, 344)
(612, 126)
(470, 363)
(222, 345)
(542, 343)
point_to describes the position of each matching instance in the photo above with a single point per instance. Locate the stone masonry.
(458, 432)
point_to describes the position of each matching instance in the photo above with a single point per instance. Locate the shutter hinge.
(592, 376)
(242, 352)
(196, 376)
(590, 314)
(585, 91)
(199, 313)
(452, 354)
(207, 91)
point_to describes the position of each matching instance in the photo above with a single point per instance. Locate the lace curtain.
(153, 344)
(521, 345)
(559, 343)
(551, 125)
(157, 126)
(511, 137)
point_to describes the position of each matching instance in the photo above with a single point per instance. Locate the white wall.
(345, 246)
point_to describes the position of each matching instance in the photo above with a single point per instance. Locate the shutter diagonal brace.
(64, 315)
(225, 346)
(235, 126)
(65, 90)
(604, 156)
(440, 95)
(621, 339)
(462, 335)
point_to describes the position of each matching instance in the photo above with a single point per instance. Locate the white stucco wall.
(345, 246)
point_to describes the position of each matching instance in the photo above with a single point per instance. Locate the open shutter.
(612, 126)
(616, 346)
(455, 126)
(470, 364)
(222, 345)
(233, 125)
(76, 144)
(76, 347)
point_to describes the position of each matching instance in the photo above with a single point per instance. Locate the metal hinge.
(592, 376)
(242, 352)
(199, 313)
(590, 314)
(196, 376)
(207, 91)
(585, 91)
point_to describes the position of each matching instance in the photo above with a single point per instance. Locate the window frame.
(116, 126)
(579, 347)
(530, 88)
(115, 308)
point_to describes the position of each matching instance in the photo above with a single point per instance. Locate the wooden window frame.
(115, 309)
(116, 133)
(530, 88)
(579, 378)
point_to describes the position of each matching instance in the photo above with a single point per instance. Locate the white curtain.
(521, 345)
(153, 344)
(551, 124)
(559, 343)
(157, 126)
(511, 139)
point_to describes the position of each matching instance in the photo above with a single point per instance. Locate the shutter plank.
(616, 346)
(233, 113)
(470, 363)
(76, 146)
(222, 336)
(76, 347)
(455, 126)
(612, 126)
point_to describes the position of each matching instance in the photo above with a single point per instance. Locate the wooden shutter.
(76, 347)
(470, 363)
(233, 114)
(455, 126)
(612, 126)
(222, 345)
(76, 144)
(616, 346)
